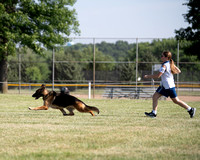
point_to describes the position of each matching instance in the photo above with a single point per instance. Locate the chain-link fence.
(105, 62)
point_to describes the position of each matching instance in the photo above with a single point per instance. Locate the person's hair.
(172, 65)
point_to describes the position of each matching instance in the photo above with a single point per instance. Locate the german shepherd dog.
(61, 101)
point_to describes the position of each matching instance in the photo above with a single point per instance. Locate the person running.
(167, 85)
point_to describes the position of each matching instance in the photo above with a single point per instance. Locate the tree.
(33, 74)
(29, 63)
(192, 32)
(67, 71)
(37, 24)
(118, 50)
(127, 71)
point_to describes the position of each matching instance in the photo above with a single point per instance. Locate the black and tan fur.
(61, 101)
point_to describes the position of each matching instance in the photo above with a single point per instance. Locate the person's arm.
(157, 75)
(154, 76)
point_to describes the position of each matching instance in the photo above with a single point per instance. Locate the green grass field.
(120, 131)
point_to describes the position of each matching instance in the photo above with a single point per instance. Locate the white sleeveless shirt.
(167, 78)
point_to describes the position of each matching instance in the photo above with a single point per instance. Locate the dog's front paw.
(29, 108)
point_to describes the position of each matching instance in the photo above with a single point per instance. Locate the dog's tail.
(95, 109)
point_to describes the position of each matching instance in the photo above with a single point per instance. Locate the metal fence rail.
(103, 78)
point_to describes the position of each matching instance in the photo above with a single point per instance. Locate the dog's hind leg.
(81, 107)
(63, 111)
(39, 108)
(70, 109)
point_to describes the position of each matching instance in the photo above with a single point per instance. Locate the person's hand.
(145, 76)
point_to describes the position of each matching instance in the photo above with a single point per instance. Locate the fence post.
(178, 67)
(136, 69)
(19, 78)
(89, 90)
(94, 68)
(53, 70)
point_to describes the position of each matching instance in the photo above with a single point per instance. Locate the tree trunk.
(3, 76)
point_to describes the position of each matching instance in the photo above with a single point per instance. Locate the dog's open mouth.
(36, 97)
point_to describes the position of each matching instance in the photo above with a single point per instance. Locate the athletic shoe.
(151, 114)
(192, 112)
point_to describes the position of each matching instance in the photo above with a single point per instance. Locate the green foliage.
(86, 53)
(34, 68)
(127, 71)
(192, 32)
(69, 70)
(116, 50)
(79, 62)
(35, 24)
(189, 72)
(33, 74)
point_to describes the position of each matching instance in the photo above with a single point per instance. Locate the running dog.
(61, 101)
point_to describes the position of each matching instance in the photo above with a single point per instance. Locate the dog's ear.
(43, 86)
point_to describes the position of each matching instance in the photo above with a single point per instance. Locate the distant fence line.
(97, 82)
(185, 85)
(136, 61)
